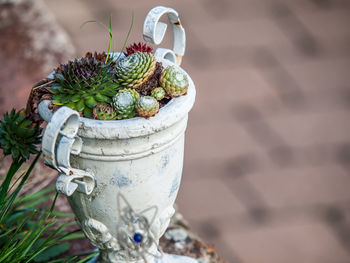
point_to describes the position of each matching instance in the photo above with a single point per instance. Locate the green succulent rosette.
(82, 84)
(134, 70)
(147, 106)
(104, 112)
(124, 103)
(174, 81)
(158, 93)
(132, 92)
(18, 135)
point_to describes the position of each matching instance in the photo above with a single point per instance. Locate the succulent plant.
(124, 103)
(139, 47)
(18, 135)
(134, 70)
(104, 112)
(102, 56)
(82, 84)
(158, 93)
(174, 81)
(133, 93)
(147, 106)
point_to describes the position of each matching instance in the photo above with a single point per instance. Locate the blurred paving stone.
(303, 186)
(329, 23)
(343, 155)
(323, 101)
(216, 143)
(336, 46)
(264, 107)
(242, 85)
(321, 74)
(236, 166)
(313, 6)
(338, 220)
(290, 24)
(250, 196)
(209, 198)
(242, 33)
(238, 10)
(234, 85)
(287, 87)
(283, 244)
(308, 129)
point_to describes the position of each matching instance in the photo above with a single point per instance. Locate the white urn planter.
(114, 171)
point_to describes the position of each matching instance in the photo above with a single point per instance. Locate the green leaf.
(55, 86)
(79, 106)
(59, 76)
(101, 98)
(25, 132)
(74, 236)
(90, 102)
(75, 98)
(87, 258)
(87, 112)
(6, 183)
(70, 105)
(57, 102)
(6, 206)
(63, 215)
(52, 252)
(35, 196)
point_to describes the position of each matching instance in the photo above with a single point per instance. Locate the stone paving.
(266, 176)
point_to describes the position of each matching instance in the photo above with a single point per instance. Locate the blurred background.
(267, 158)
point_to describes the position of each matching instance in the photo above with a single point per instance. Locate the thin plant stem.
(127, 36)
(111, 41)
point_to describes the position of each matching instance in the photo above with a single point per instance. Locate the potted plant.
(115, 132)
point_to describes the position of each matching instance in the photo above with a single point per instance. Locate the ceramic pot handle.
(60, 140)
(154, 31)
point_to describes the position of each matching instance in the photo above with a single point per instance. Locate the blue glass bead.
(137, 238)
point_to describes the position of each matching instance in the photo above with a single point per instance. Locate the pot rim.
(174, 111)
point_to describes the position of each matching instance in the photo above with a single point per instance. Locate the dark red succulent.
(139, 47)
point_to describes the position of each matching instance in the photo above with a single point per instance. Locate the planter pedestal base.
(167, 258)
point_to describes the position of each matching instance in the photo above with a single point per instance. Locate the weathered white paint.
(139, 158)
(154, 32)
